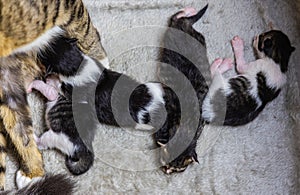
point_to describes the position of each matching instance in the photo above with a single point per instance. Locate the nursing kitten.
(27, 27)
(239, 100)
(150, 103)
(72, 114)
(183, 60)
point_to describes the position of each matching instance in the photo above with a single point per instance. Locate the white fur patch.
(105, 62)
(51, 139)
(90, 72)
(22, 180)
(218, 82)
(143, 127)
(42, 41)
(157, 93)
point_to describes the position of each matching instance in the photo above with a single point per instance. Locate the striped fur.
(43, 15)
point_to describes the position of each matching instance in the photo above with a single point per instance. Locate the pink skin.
(187, 12)
(45, 88)
(221, 66)
(238, 50)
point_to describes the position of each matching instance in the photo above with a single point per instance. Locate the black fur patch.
(62, 56)
(185, 50)
(276, 45)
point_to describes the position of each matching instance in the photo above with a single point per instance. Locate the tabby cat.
(27, 27)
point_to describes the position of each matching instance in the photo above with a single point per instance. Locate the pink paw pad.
(187, 12)
(237, 43)
(215, 65)
(226, 65)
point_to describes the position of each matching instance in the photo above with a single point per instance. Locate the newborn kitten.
(76, 104)
(148, 103)
(238, 100)
(183, 60)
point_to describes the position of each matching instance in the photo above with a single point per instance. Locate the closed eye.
(268, 43)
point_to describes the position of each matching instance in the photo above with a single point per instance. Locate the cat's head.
(275, 45)
(62, 56)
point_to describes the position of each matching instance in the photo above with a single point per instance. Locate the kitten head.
(275, 45)
(62, 56)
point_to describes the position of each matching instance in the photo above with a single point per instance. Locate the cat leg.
(238, 50)
(47, 90)
(60, 141)
(17, 124)
(2, 158)
(218, 67)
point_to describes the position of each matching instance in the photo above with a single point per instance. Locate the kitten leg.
(238, 50)
(220, 66)
(226, 65)
(60, 141)
(47, 90)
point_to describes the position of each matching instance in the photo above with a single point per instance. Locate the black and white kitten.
(149, 103)
(239, 100)
(77, 102)
(183, 58)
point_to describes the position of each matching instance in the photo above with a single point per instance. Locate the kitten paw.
(221, 66)
(215, 65)
(187, 12)
(237, 43)
(226, 65)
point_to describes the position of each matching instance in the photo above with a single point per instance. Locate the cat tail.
(80, 161)
(196, 17)
(49, 184)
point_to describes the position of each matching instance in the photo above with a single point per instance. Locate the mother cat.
(26, 27)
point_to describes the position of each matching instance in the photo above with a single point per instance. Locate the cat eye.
(268, 43)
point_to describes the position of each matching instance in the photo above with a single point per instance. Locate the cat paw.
(237, 44)
(22, 180)
(215, 65)
(226, 65)
(186, 12)
(221, 65)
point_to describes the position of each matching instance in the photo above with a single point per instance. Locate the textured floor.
(259, 158)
